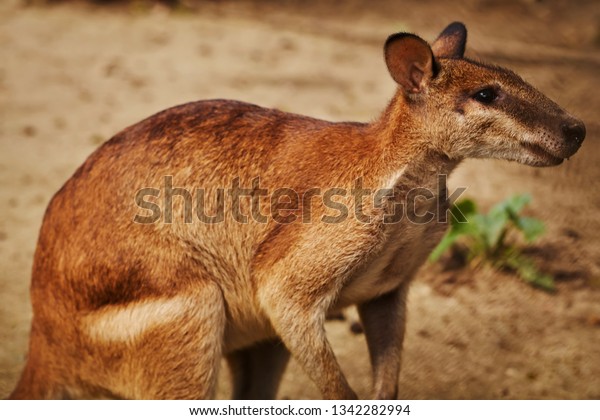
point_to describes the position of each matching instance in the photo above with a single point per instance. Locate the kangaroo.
(135, 296)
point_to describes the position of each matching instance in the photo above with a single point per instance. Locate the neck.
(405, 156)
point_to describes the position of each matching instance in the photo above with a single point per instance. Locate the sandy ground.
(71, 76)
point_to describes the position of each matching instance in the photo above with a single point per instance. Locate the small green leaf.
(531, 228)
(447, 241)
(460, 225)
(544, 281)
(514, 204)
(461, 211)
(469, 228)
(527, 270)
(494, 224)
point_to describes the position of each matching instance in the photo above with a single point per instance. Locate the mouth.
(542, 156)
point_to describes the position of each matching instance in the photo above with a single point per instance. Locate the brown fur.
(147, 310)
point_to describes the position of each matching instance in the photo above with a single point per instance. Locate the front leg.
(384, 321)
(299, 273)
(299, 320)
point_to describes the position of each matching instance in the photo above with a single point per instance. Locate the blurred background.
(73, 73)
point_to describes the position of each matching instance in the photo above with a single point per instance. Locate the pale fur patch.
(127, 323)
(370, 283)
(392, 179)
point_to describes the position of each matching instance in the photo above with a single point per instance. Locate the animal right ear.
(451, 42)
(410, 61)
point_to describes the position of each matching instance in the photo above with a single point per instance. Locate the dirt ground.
(73, 75)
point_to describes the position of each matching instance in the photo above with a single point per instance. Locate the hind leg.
(256, 371)
(164, 348)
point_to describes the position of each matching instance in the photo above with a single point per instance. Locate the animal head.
(464, 108)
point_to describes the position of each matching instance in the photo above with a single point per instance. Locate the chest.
(414, 222)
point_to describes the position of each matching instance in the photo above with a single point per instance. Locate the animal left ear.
(410, 61)
(451, 42)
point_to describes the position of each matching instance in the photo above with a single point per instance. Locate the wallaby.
(137, 297)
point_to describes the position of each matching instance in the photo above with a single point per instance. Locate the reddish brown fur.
(130, 310)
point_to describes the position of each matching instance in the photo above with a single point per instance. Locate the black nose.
(573, 131)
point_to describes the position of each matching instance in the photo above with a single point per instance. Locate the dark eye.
(485, 96)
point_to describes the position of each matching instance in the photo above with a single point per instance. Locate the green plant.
(484, 238)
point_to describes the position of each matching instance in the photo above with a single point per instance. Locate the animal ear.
(409, 60)
(451, 42)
